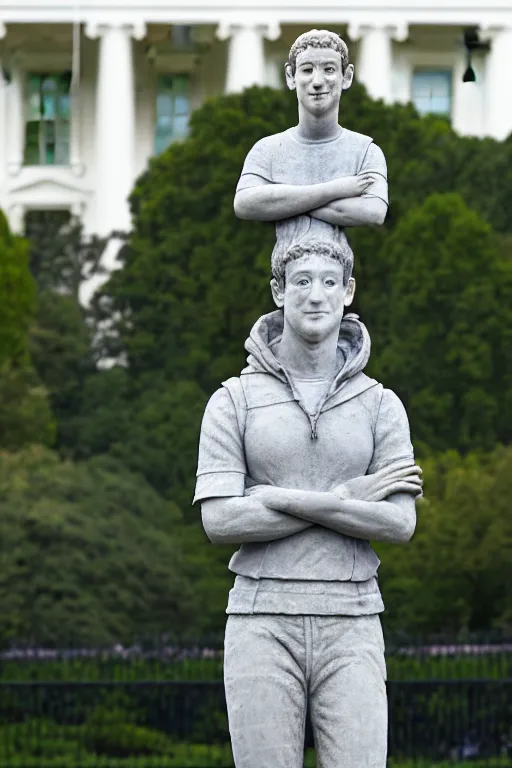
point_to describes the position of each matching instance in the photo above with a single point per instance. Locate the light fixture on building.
(472, 43)
(469, 75)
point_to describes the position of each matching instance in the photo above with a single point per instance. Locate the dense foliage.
(456, 570)
(89, 552)
(447, 326)
(17, 295)
(434, 288)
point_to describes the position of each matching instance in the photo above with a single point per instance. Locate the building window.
(432, 91)
(47, 119)
(172, 110)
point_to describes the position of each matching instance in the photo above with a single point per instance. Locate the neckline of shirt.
(301, 140)
(321, 380)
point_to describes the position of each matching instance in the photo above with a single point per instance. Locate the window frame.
(58, 124)
(161, 139)
(448, 71)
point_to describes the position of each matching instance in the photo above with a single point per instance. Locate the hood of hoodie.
(353, 344)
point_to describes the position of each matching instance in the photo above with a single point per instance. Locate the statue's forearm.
(352, 212)
(392, 521)
(244, 519)
(273, 202)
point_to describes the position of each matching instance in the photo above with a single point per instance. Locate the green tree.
(17, 295)
(446, 320)
(62, 333)
(88, 553)
(61, 256)
(146, 425)
(25, 414)
(456, 573)
(61, 353)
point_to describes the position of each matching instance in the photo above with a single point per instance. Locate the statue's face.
(314, 297)
(319, 80)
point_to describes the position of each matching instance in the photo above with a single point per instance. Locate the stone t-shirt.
(222, 471)
(311, 392)
(287, 158)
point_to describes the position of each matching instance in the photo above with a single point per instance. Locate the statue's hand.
(402, 477)
(353, 186)
(266, 494)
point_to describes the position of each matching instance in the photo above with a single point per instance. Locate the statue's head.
(312, 282)
(318, 69)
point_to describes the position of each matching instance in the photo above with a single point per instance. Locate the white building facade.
(90, 90)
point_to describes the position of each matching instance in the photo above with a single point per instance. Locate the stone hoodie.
(353, 352)
(255, 431)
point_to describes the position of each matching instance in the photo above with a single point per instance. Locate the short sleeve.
(221, 466)
(257, 167)
(375, 163)
(392, 440)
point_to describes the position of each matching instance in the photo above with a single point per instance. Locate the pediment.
(50, 189)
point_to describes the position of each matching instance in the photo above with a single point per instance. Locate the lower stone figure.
(303, 460)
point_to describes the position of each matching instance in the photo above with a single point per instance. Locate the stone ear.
(349, 293)
(290, 77)
(348, 77)
(277, 293)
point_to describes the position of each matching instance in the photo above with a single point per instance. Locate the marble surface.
(304, 460)
(317, 169)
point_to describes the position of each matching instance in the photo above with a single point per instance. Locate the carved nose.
(316, 294)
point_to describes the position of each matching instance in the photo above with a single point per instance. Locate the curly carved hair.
(338, 250)
(318, 38)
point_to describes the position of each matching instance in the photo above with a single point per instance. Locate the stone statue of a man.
(317, 171)
(303, 460)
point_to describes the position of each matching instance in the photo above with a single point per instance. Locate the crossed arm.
(340, 202)
(379, 507)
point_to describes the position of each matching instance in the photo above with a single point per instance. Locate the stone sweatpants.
(275, 666)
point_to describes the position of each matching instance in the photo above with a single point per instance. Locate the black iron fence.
(177, 722)
(129, 708)
(439, 658)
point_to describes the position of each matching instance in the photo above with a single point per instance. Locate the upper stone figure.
(317, 173)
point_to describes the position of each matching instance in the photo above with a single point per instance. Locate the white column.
(497, 84)
(16, 218)
(75, 149)
(15, 120)
(468, 110)
(374, 64)
(246, 53)
(115, 126)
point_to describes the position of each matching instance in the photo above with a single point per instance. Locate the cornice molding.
(215, 12)
(271, 30)
(136, 29)
(398, 31)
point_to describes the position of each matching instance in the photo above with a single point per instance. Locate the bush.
(89, 553)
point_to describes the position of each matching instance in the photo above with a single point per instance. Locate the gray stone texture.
(271, 662)
(303, 458)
